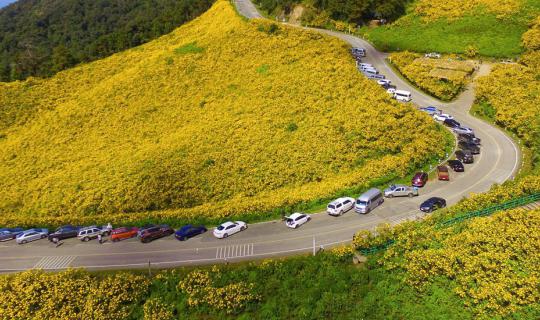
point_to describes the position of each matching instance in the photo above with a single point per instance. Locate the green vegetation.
(43, 37)
(479, 30)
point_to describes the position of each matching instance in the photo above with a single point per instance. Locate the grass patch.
(188, 48)
(492, 37)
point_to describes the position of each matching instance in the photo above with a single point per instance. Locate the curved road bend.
(498, 162)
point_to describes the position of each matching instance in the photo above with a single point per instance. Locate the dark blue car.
(189, 231)
(9, 233)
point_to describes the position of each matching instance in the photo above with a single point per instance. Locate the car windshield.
(393, 187)
(220, 227)
(331, 206)
(362, 203)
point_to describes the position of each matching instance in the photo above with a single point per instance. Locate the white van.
(402, 95)
(370, 70)
(364, 65)
(368, 201)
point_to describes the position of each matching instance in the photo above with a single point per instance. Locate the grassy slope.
(220, 117)
(493, 37)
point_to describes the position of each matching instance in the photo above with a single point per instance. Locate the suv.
(88, 233)
(64, 232)
(154, 233)
(464, 156)
(442, 173)
(340, 206)
(456, 165)
(451, 123)
(473, 148)
(469, 137)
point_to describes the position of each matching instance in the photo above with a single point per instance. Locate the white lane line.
(234, 251)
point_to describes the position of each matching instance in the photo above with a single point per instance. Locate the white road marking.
(54, 263)
(235, 251)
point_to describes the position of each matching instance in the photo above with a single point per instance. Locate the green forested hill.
(42, 37)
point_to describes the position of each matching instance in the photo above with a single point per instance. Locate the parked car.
(402, 95)
(473, 148)
(391, 91)
(361, 52)
(368, 201)
(384, 82)
(456, 165)
(469, 138)
(32, 235)
(389, 86)
(147, 226)
(451, 123)
(431, 110)
(442, 173)
(189, 231)
(433, 55)
(400, 190)
(420, 179)
(64, 232)
(340, 206)
(124, 233)
(461, 130)
(9, 233)
(442, 116)
(229, 228)
(373, 76)
(432, 204)
(465, 156)
(296, 219)
(92, 232)
(364, 65)
(154, 233)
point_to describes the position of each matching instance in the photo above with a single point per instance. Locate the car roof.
(228, 223)
(369, 194)
(295, 215)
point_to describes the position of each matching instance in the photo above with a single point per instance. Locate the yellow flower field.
(453, 9)
(221, 117)
(443, 78)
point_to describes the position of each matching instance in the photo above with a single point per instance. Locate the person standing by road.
(100, 240)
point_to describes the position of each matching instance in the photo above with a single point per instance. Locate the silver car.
(400, 190)
(32, 235)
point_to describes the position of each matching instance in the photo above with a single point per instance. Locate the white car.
(340, 206)
(229, 228)
(391, 91)
(433, 55)
(31, 235)
(442, 116)
(384, 82)
(296, 219)
(463, 130)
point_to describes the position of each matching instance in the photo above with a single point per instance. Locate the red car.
(155, 233)
(419, 179)
(124, 233)
(442, 173)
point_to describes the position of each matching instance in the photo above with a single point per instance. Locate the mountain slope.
(221, 117)
(42, 37)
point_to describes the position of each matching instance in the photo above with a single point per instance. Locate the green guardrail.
(512, 204)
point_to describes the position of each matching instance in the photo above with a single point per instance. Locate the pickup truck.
(400, 190)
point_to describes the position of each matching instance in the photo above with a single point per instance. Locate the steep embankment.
(220, 117)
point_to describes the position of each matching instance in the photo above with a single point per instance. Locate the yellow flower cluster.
(453, 9)
(496, 273)
(201, 290)
(443, 78)
(221, 117)
(73, 294)
(155, 309)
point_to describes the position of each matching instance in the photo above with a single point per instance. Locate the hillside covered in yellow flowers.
(220, 117)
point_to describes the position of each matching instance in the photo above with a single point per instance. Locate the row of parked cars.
(371, 72)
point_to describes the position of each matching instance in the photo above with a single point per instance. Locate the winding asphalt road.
(498, 162)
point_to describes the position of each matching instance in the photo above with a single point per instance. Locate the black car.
(189, 231)
(388, 86)
(64, 232)
(456, 165)
(465, 156)
(154, 233)
(432, 204)
(451, 123)
(469, 138)
(473, 148)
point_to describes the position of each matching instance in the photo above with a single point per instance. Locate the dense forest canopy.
(42, 37)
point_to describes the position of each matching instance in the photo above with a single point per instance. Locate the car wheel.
(225, 235)
(86, 239)
(242, 228)
(390, 196)
(43, 236)
(23, 242)
(340, 213)
(296, 226)
(114, 240)
(55, 240)
(183, 239)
